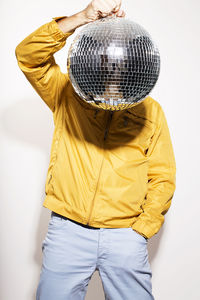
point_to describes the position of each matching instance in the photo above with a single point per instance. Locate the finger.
(120, 13)
(103, 7)
(115, 4)
(117, 7)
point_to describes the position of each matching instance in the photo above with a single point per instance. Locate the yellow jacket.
(107, 169)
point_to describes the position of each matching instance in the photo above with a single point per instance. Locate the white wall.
(26, 128)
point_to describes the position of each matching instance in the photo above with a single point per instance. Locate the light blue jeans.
(72, 253)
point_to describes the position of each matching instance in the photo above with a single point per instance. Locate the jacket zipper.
(105, 135)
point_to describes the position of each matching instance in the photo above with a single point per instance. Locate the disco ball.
(113, 64)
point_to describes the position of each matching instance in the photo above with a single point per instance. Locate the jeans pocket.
(43, 244)
(56, 220)
(139, 235)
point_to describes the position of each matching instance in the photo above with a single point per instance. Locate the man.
(111, 176)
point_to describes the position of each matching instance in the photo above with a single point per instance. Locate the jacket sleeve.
(161, 181)
(35, 58)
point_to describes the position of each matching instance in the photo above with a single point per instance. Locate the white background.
(26, 128)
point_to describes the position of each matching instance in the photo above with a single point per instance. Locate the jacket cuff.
(56, 32)
(144, 229)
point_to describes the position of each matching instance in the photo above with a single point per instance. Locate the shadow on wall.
(25, 122)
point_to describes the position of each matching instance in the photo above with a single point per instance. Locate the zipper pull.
(95, 113)
(108, 124)
(125, 121)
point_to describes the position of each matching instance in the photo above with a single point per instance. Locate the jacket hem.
(49, 203)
